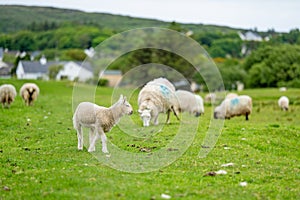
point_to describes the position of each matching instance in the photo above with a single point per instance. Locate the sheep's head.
(145, 116)
(126, 107)
(219, 113)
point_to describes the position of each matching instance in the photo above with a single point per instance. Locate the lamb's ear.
(121, 97)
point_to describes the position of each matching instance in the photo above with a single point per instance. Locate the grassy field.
(39, 157)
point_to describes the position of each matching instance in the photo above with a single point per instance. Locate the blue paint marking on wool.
(234, 102)
(164, 90)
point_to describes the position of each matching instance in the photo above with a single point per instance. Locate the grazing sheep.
(189, 102)
(210, 98)
(7, 94)
(99, 119)
(163, 81)
(241, 105)
(29, 92)
(157, 96)
(231, 95)
(283, 103)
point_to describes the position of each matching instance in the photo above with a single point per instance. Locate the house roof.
(85, 65)
(112, 72)
(1, 53)
(37, 67)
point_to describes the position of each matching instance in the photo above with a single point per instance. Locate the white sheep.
(29, 92)
(283, 103)
(99, 119)
(190, 102)
(157, 96)
(163, 81)
(7, 94)
(210, 98)
(241, 105)
(231, 95)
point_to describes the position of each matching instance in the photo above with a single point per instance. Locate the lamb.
(157, 96)
(189, 102)
(99, 119)
(7, 94)
(241, 105)
(283, 103)
(29, 92)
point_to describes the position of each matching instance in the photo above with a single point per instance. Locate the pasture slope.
(39, 157)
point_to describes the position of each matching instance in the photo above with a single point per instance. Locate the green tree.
(53, 70)
(272, 66)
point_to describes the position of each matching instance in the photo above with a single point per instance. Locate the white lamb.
(283, 103)
(190, 102)
(29, 92)
(7, 94)
(241, 105)
(99, 119)
(157, 96)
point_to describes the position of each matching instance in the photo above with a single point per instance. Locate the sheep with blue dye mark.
(241, 105)
(7, 95)
(231, 95)
(99, 119)
(157, 96)
(29, 92)
(283, 103)
(190, 102)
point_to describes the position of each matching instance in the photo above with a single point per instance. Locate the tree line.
(271, 63)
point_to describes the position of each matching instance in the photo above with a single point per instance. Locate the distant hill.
(14, 18)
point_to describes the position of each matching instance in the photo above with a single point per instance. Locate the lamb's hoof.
(91, 150)
(105, 151)
(80, 148)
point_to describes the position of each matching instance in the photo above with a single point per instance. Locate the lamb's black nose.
(131, 112)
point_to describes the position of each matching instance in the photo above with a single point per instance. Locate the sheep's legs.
(175, 113)
(80, 138)
(247, 118)
(99, 133)
(155, 120)
(168, 117)
(91, 137)
(104, 139)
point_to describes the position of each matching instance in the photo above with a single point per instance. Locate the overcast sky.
(282, 15)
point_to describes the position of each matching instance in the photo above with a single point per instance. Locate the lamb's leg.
(93, 142)
(104, 139)
(91, 136)
(80, 137)
(247, 118)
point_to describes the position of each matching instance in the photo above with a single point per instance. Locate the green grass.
(39, 157)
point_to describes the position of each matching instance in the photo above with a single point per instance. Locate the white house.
(33, 70)
(40, 69)
(250, 36)
(72, 70)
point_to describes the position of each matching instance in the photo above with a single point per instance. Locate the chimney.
(43, 60)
